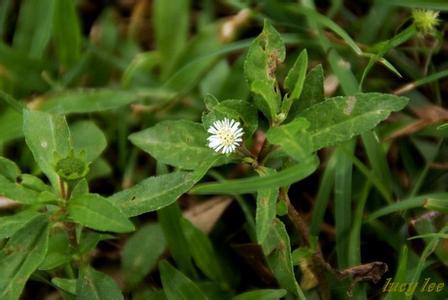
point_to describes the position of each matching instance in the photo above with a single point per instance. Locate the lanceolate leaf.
(266, 51)
(46, 135)
(141, 253)
(249, 185)
(266, 210)
(180, 143)
(202, 251)
(94, 211)
(277, 250)
(17, 192)
(312, 93)
(21, 256)
(159, 191)
(293, 138)
(94, 285)
(11, 224)
(340, 118)
(178, 286)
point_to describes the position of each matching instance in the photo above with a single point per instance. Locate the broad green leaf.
(10, 124)
(9, 169)
(170, 218)
(347, 116)
(21, 256)
(58, 253)
(312, 93)
(11, 224)
(34, 27)
(88, 137)
(94, 285)
(249, 185)
(46, 135)
(202, 251)
(141, 252)
(65, 284)
(93, 100)
(178, 143)
(266, 294)
(66, 32)
(293, 138)
(263, 56)
(178, 286)
(96, 212)
(277, 250)
(170, 40)
(265, 210)
(294, 81)
(17, 192)
(157, 192)
(237, 110)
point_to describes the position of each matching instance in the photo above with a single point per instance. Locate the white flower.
(225, 136)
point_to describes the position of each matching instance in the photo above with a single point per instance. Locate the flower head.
(425, 20)
(225, 135)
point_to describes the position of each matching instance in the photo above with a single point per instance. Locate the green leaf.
(59, 252)
(88, 137)
(312, 93)
(293, 138)
(66, 32)
(96, 212)
(46, 135)
(33, 183)
(237, 110)
(294, 81)
(10, 124)
(93, 100)
(170, 40)
(34, 27)
(170, 220)
(296, 76)
(277, 250)
(9, 169)
(178, 143)
(178, 286)
(94, 285)
(406, 204)
(65, 284)
(11, 224)
(202, 251)
(157, 192)
(347, 116)
(21, 256)
(249, 185)
(265, 294)
(141, 252)
(266, 210)
(17, 192)
(263, 56)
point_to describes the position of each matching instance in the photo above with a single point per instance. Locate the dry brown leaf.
(205, 215)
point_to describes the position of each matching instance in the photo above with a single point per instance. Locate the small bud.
(436, 204)
(425, 20)
(72, 167)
